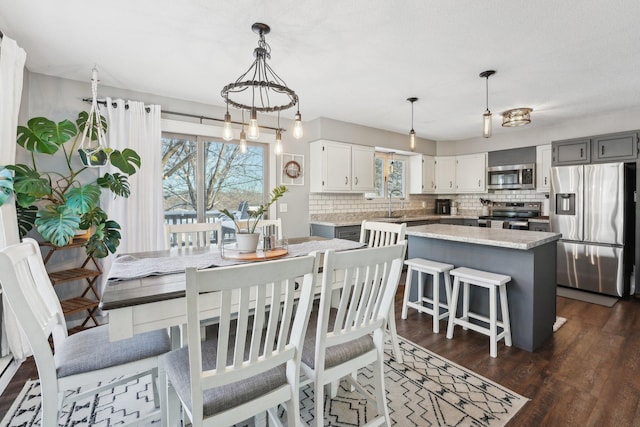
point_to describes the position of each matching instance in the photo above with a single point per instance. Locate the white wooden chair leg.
(397, 353)
(380, 394)
(407, 292)
(465, 303)
(333, 388)
(260, 420)
(318, 409)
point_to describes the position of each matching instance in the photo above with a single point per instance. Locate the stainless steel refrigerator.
(587, 207)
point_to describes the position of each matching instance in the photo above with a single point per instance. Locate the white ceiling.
(356, 60)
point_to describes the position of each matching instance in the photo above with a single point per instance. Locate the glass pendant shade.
(227, 130)
(278, 148)
(297, 126)
(486, 124)
(412, 139)
(254, 131)
(243, 142)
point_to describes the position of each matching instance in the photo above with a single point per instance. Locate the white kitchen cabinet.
(337, 167)
(543, 168)
(445, 174)
(362, 168)
(422, 174)
(471, 173)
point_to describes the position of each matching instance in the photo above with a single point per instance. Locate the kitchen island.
(529, 257)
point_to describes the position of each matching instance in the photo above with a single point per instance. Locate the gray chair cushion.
(336, 354)
(91, 350)
(220, 398)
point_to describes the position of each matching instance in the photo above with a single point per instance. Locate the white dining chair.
(81, 360)
(197, 234)
(343, 339)
(376, 234)
(251, 362)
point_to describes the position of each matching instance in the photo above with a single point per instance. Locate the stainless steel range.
(514, 215)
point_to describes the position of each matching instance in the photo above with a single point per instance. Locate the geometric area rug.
(426, 390)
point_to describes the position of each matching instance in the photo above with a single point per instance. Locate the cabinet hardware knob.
(581, 152)
(545, 180)
(346, 180)
(602, 150)
(356, 180)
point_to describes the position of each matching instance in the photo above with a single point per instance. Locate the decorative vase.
(247, 242)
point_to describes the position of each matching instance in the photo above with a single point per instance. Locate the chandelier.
(260, 89)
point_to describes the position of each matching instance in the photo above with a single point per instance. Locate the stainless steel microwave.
(512, 177)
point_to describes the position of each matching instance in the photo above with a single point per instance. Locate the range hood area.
(513, 169)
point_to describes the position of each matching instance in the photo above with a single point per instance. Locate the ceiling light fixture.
(516, 117)
(412, 133)
(260, 89)
(486, 117)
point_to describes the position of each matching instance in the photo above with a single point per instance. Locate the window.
(390, 176)
(203, 175)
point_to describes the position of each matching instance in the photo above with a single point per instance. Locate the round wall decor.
(292, 169)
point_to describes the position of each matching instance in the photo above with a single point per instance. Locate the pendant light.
(412, 133)
(260, 89)
(486, 117)
(278, 148)
(297, 126)
(227, 130)
(243, 137)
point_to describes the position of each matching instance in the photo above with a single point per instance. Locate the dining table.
(145, 291)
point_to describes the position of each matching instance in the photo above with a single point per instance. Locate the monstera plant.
(60, 204)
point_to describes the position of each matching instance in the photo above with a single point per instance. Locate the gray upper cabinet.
(615, 147)
(570, 152)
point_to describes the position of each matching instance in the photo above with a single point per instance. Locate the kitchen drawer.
(539, 226)
(349, 232)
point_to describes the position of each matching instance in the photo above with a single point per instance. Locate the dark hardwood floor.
(587, 374)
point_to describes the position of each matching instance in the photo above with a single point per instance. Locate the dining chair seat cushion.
(91, 350)
(219, 399)
(336, 354)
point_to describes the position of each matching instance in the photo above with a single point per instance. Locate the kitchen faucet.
(390, 193)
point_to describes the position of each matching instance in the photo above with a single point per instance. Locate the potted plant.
(246, 237)
(59, 204)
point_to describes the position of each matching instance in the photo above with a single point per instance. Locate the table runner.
(129, 267)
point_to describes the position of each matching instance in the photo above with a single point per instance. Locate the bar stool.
(491, 281)
(423, 266)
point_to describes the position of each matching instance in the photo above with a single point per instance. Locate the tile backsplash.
(324, 206)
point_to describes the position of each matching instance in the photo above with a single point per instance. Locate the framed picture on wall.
(292, 169)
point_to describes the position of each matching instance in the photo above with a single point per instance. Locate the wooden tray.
(232, 253)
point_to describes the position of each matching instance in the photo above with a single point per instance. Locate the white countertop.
(514, 239)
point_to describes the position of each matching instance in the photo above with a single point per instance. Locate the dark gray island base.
(529, 257)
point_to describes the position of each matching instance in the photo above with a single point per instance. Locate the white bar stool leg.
(436, 303)
(506, 323)
(453, 307)
(465, 302)
(493, 322)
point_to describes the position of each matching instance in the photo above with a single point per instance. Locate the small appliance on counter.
(443, 207)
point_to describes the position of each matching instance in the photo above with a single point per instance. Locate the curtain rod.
(195, 116)
(174, 113)
(113, 104)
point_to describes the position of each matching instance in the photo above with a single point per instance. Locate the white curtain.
(12, 59)
(141, 215)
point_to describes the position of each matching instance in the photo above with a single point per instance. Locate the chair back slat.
(30, 295)
(269, 314)
(199, 234)
(370, 278)
(376, 234)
